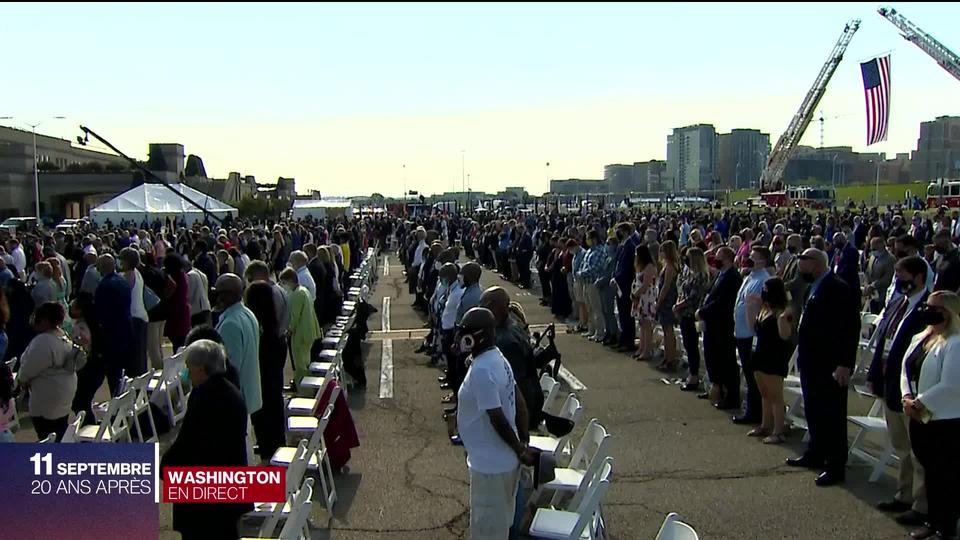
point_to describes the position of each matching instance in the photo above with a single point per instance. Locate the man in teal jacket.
(241, 335)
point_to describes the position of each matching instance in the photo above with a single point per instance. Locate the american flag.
(876, 90)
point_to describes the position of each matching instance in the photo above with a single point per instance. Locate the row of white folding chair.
(295, 527)
(115, 425)
(560, 446)
(274, 513)
(162, 389)
(318, 459)
(582, 517)
(593, 447)
(674, 529)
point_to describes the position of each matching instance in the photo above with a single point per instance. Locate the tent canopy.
(155, 201)
(321, 209)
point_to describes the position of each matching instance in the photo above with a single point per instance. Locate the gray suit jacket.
(880, 273)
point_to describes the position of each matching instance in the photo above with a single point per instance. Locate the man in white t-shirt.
(489, 409)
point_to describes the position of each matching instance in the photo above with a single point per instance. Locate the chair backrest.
(138, 385)
(587, 484)
(867, 320)
(49, 439)
(551, 399)
(316, 439)
(299, 513)
(327, 381)
(70, 435)
(587, 514)
(674, 529)
(591, 450)
(295, 473)
(116, 423)
(792, 365)
(571, 409)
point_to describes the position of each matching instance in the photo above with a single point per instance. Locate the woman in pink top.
(743, 254)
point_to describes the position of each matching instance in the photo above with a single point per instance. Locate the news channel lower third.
(113, 491)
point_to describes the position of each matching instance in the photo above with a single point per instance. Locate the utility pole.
(36, 165)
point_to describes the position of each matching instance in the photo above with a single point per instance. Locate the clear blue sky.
(341, 96)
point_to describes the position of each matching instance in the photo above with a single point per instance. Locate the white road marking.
(385, 315)
(386, 265)
(386, 370)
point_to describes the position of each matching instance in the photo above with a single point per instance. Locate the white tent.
(322, 209)
(156, 201)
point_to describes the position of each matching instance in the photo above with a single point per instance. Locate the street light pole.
(36, 169)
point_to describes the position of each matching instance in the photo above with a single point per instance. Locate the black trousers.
(45, 427)
(937, 445)
(825, 407)
(544, 283)
(456, 366)
(691, 343)
(720, 357)
(628, 329)
(89, 380)
(412, 277)
(753, 407)
(523, 269)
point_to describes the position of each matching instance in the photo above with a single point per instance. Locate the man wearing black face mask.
(907, 246)
(901, 321)
(948, 269)
(828, 336)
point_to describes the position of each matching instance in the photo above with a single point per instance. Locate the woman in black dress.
(774, 328)
(268, 422)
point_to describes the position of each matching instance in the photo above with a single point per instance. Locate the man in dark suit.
(524, 256)
(623, 278)
(114, 325)
(830, 310)
(948, 267)
(719, 343)
(213, 433)
(846, 263)
(899, 324)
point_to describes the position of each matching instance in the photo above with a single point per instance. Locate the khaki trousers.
(493, 499)
(911, 488)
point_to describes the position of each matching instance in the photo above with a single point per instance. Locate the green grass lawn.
(889, 193)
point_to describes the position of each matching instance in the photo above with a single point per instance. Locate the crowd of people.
(754, 294)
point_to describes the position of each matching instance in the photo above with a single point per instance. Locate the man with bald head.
(719, 343)
(514, 343)
(828, 336)
(240, 331)
(113, 325)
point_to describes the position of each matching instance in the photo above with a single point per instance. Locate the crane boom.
(772, 176)
(912, 33)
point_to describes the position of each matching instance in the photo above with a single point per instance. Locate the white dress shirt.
(305, 279)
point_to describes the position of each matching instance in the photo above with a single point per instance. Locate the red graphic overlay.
(224, 484)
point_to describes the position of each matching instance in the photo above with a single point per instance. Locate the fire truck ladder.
(912, 33)
(771, 178)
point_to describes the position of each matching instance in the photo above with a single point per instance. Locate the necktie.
(897, 317)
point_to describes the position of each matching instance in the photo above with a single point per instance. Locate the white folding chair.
(70, 435)
(571, 410)
(551, 392)
(141, 403)
(674, 529)
(793, 373)
(873, 422)
(276, 512)
(303, 406)
(15, 421)
(593, 447)
(168, 384)
(115, 426)
(318, 461)
(795, 415)
(586, 520)
(49, 439)
(295, 527)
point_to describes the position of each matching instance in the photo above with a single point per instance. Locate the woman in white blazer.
(930, 382)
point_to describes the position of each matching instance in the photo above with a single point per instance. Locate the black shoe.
(441, 378)
(805, 462)
(445, 386)
(456, 441)
(893, 505)
(911, 518)
(727, 406)
(744, 419)
(421, 349)
(703, 395)
(830, 478)
(690, 387)
(449, 410)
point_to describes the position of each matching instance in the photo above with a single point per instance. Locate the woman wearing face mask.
(304, 328)
(930, 382)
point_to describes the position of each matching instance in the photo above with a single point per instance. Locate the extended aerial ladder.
(912, 33)
(772, 175)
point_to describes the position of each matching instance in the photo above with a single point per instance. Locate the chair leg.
(332, 498)
(881, 464)
(855, 445)
(154, 437)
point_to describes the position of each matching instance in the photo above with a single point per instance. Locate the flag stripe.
(876, 88)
